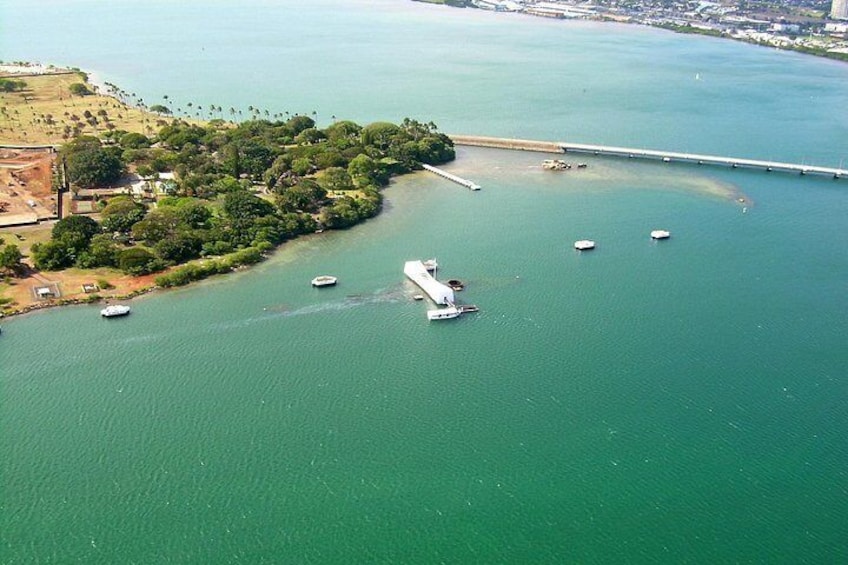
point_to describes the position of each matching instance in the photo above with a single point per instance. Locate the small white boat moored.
(430, 264)
(115, 310)
(660, 234)
(324, 280)
(443, 313)
(584, 244)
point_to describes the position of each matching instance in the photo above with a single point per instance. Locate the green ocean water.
(676, 401)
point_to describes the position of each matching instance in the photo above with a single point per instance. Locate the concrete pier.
(674, 156)
(636, 153)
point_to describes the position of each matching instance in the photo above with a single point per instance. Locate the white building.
(417, 273)
(839, 10)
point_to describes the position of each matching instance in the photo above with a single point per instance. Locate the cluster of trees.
(139, 240)
(307, 177)
(90, 164)
(11, 85)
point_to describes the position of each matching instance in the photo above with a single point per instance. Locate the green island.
(209, 197)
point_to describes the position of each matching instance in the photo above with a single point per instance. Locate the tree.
(179, 248)
(81, 226)
(193, 213)
(79, 89)
(101, 252)
(10, 258)
(134, 140)
(160, 109)
(243, 205)
(309, 136)
(90, 165)
(301, 166)
(380, 134)
(121, 213)
(248, 156)
(306, 196)
(343, 134)
(159, 224)
(335, 178)
(299, 123)
(11, 85)
(51, 256)
(138, 261)
(366, 171)
(342, 214)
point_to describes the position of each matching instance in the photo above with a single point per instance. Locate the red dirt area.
(26, 187)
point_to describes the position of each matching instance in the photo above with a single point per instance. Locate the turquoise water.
(679, 401)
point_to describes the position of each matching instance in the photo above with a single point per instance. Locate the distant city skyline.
(839, 10)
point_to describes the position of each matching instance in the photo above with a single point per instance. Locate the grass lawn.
(24, 237)
(44, 112)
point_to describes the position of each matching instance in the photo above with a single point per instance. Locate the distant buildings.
(839, 10)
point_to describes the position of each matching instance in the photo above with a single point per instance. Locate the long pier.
(635, 153)
(453, 178)
(669, 156)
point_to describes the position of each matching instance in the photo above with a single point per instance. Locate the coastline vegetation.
(232, 191)
(818, 52)
(209, 197)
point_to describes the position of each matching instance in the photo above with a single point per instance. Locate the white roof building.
(417, 273)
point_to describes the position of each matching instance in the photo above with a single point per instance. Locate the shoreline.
(498, 144)
(31, 289)
(771, 39)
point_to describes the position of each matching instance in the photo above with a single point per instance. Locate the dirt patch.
(26, 186)
(73, 286)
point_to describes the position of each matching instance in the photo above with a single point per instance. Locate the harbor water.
(648, 401)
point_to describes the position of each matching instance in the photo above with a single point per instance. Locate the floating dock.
(438, 292)
(453, 178)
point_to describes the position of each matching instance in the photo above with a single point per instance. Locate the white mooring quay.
(417, 273)
(458, 180)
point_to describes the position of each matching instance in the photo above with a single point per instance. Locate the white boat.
(324, 280)
(584, 244)
(115, 310)
(443, 313)
(660, 234)
(430, 264)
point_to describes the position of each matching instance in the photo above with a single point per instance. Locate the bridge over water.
(635, 153)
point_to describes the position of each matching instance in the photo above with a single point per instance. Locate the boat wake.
(349, 302)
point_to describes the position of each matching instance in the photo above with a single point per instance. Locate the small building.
(44, 292)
